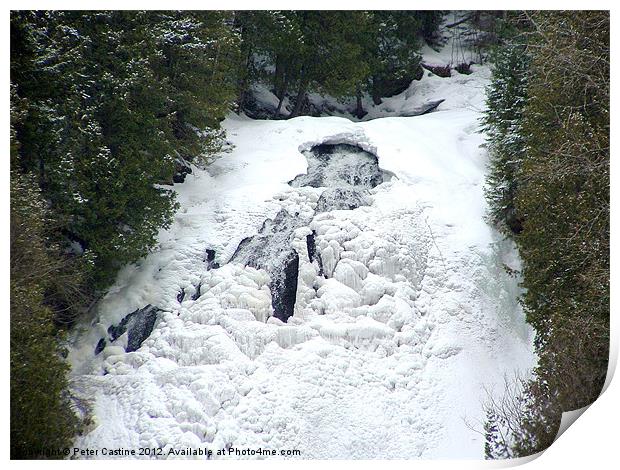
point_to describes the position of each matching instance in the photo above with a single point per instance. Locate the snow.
(387, 356)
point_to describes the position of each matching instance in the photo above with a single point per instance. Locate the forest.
(111, 109)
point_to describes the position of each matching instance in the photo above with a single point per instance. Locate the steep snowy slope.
(403, 312)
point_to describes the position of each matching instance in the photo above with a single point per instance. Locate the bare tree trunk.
(244, 81)
(278, 77)
(282, 95)
(359, 111)
(301, 93)
(376, 98)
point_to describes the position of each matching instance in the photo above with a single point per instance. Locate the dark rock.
(242, 249)
(178, 177)
(270, 250)
(443, 71)
(313, 254)
(463, 68)
(181, 295)
(424, 109)
(182, 169)
(284, 288)
(100, 346)
(269, 247)
(210, 259)
(138, 324)
(197, 294)
(311, 245)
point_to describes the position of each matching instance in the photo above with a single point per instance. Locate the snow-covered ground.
(386, 356)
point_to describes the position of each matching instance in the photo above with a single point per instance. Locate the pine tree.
(343, 54)
(41, 414)
(274, 36)
(506, 98)
(197, 57)
(392, 52)
(559, 193)
(329, 54)
(564, 201)
(115, 99)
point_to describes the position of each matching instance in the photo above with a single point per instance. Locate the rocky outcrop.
(138, 325)
(284, 288)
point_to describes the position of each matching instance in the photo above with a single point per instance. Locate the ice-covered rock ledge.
(394, 335)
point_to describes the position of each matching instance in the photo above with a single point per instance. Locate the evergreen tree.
(330, 56)
(560, 196)
(343, 54)
(506, 98)
(564, 201)
(114, 100)
(41, 415)
(197, 60)
(393, 52)
(271, 35)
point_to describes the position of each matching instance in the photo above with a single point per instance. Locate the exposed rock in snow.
(339, 165)
(101, 344)
(344, 174)
(138, 325)
(341, 198)
(182, 169)
(284, 288)
(271, 250)
(210, 259)
(423, 109)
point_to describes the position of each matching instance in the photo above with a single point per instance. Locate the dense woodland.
(108, 108)
(548, 187)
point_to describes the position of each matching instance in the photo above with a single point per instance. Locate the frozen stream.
(327, 286)
(344, 174)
